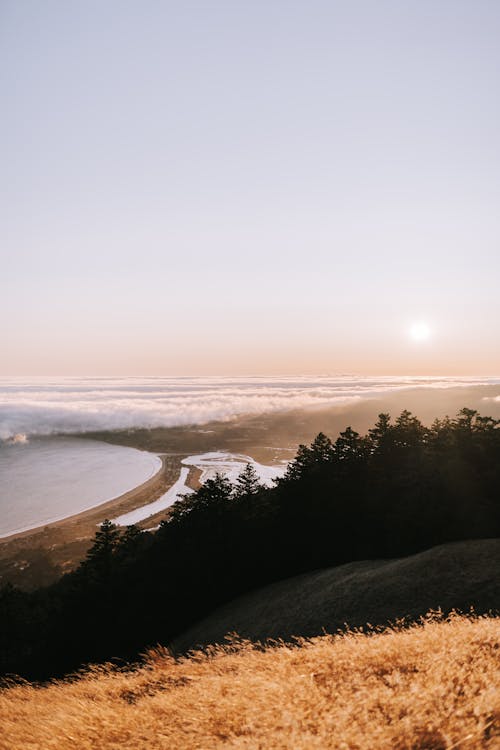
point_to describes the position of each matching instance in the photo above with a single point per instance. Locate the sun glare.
(420, 331)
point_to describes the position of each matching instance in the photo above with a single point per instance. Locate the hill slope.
(427, 688)
(451, 576)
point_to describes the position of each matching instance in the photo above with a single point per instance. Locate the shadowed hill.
(452, 576)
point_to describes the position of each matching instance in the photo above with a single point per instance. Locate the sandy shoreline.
(131, 494)
(133, 498)
(144, 494)
(39, 555)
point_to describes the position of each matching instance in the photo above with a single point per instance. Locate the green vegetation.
(401, 488)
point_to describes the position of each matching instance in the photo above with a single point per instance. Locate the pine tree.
(298, 466)
(409, 432)
(247, 483)
(99, 557)
(322, 449)
(379, 433)
(212, 496)
(130, 543)
(349, 445)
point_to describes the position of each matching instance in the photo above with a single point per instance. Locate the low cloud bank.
(68, 405)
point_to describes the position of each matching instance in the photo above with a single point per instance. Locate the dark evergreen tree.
(247, 483)
(97, 565)
(129, 545)
(349, 446)
(209, 500)
(321, 450)
(303, 460)
(379, 434)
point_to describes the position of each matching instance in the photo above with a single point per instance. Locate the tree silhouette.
(379, 434)
(210, 498)
(98, 562)
(349, 446)
(247, 483)
(130, 544)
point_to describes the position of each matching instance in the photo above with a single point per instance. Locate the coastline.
(130, 494)
(40, 555)
(133, 497)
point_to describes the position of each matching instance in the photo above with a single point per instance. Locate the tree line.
(401, 488)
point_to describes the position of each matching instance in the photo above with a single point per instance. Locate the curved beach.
(66, 540)
(134, 496)
(48, 479)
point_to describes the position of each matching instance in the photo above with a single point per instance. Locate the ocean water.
(44, 479)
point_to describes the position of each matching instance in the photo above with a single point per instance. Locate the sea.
(44, 479)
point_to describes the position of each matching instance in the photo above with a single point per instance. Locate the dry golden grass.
(436, 685)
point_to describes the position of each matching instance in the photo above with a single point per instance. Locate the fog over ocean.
(47, 406)
(46, 474)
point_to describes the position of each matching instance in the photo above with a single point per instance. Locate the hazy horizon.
(47, 406)
(234, 188)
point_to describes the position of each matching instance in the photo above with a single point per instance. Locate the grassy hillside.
(459, 575)
(432, 687)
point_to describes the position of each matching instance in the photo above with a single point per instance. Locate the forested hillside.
(401, 488)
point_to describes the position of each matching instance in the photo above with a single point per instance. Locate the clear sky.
(249, 187)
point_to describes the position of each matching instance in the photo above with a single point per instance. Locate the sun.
(420, 331)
